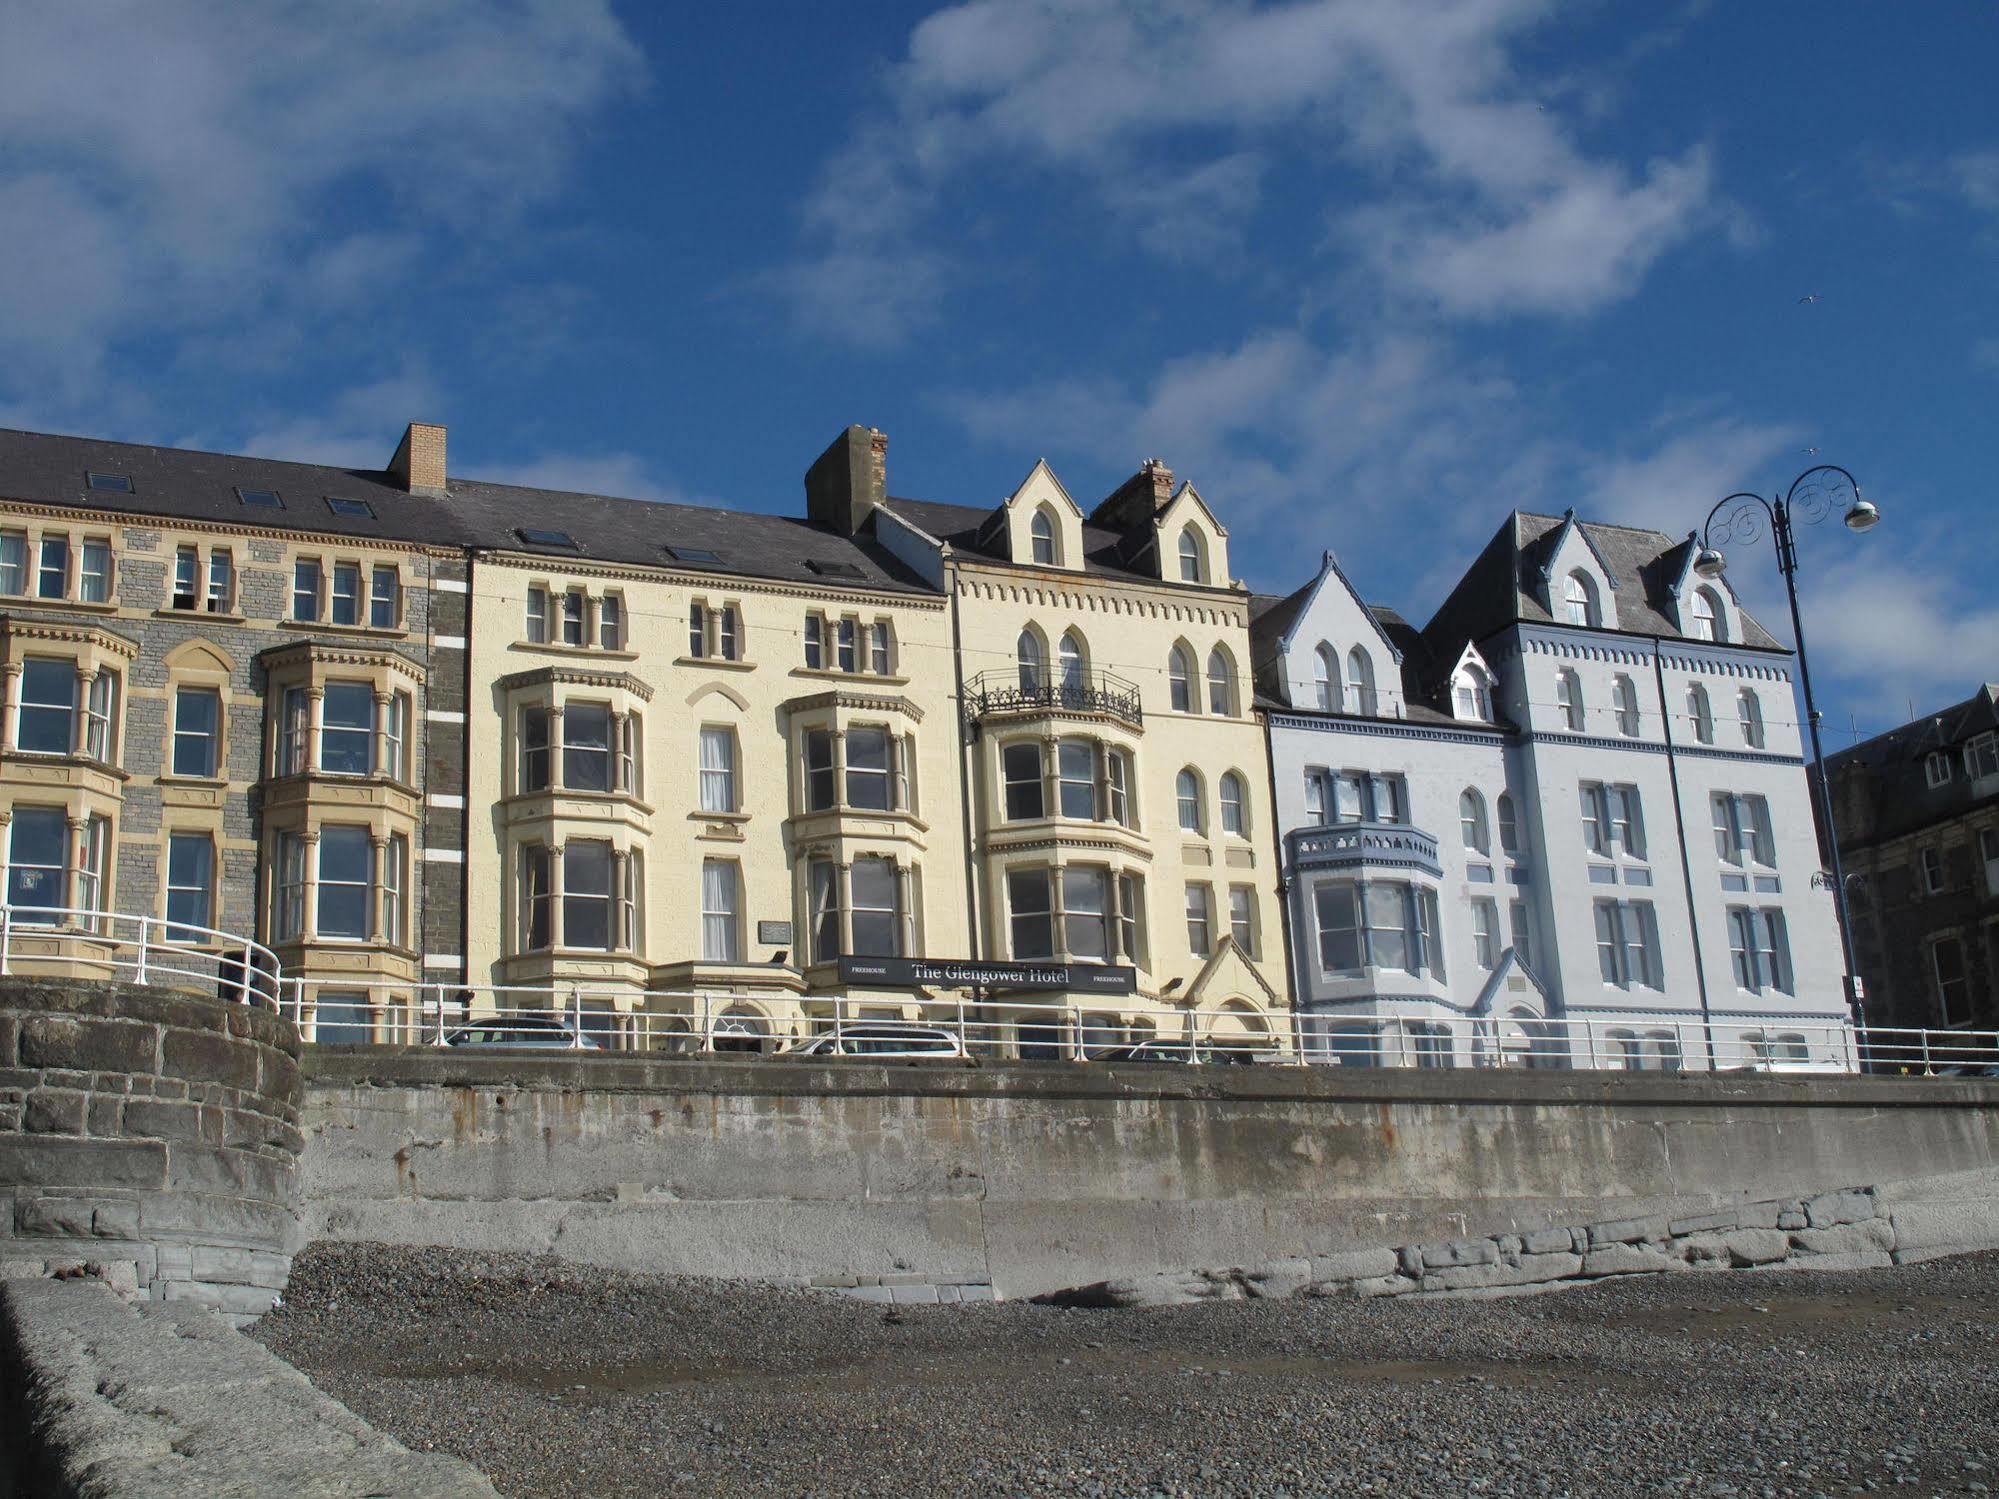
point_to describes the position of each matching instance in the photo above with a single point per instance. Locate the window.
(1326, 678)
(288, 893)
(52, 579)
(815, 642)
(535, 897)
(1235, 818)
(305, 590)
(586, 748)
(1180, 679)
(90, 874)
(1471, 818)
(1981, 756)
(718, 770)
(1749, 709)
(1377, 923)
(881, 648)
(384, 599)
(1130, 908)
(1988, 850)
(1700, 713)
(1742, 831)
(100, 718)
(1200, 920)
(820, 786)
(1624, 694)
(1704, 616)
(845, 646)
(395, 737)
(1936, 768)
(1509, 824)
(37, 858)
(1932, 866)
(1117, 783)
(346, 871)
(586, 894)
(1193, 557)
(348, 509)
(1953, 989)
(346, 593)
(13, 562)
(1627, 944)
(197, 731)
(721, 930)
(1221, 682)
(573, 629)
(347, 729)
(611, 622)
(260, 499)
(1360, 682)
(288, 751)
(868, 769)
(1086, 913)
(1031, 914)
(876, 916)
(538, 617)
(221, 580)
(1020, 771)
(713, 631)
(534, 749)
(1430, 1043)
(1474, 695)
(1336, 904)
(1076, 779)
(1041, 537)
(1242, 918)
(190, 886)
(1069, 655)
(1521, 931)
(94, 582)
(728, 634)
(1759, 949)
(1613, 819)
(1355, 796)
(1569, 696)
(1027, 657)
(630, 737)
(1579, 600)
(45, 723)
(1187, 792)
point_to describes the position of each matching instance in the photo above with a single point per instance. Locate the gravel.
(558, 1379)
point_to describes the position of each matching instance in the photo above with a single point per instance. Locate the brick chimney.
(848, 480)
(1136, 501)
(419, 462)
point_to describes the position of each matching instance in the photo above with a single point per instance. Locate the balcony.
(993, 693)
(1373, 845)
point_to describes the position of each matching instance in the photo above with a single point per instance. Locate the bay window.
(1083, 913)
(821, 783)
(1020, 774)
(346, 873)
(868, 769)
(866, 764)
(876, 915)
(45, 722)
(537, 894)
(586, 894)
(1076, 779)
(1388, 924)
(534, 748)
(288, 893)
(863, 908)
(38, 847)
(347, 729)
(394, 878)
(1031, 909)
(395, 737)
(100, 717)
(1086, 913)
(586, 747)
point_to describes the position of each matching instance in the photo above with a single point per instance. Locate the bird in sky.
(1810, 296)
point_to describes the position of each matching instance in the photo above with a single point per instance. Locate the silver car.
(880, 1038)
(521, 1029)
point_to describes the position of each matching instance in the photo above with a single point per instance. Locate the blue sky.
(1368, 274)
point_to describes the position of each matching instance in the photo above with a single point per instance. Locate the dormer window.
(1193, 557)
(1041, 538)
(1360, 682)
(1936, 768)
(1326, 682)
(1579, 600)
(1709, 621)
(1473, 695)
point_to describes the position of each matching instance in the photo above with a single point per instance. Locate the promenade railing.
(69, 941)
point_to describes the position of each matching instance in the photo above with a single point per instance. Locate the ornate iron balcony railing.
(1016, 691)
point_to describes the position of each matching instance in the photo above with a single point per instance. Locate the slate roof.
(1880, 786)
(1503, 584)
(1271, 617)
(174, 483)
(965, 528)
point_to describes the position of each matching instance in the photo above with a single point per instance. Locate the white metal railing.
(69, 940)
(621, 1018)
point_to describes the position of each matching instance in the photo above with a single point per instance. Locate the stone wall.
(151, 1132)
(1033, 1178)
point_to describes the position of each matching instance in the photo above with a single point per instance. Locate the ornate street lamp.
(1813, 495)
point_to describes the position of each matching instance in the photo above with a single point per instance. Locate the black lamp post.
(1810, 499)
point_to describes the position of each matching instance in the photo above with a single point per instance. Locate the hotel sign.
(952, 973)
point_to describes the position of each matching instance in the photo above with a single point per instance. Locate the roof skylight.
(834, 569)
(114, 483)
(263, 499)
(692, 554)
(535, 536)
(356, 509)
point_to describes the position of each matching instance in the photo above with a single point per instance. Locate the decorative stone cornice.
(63, 632)
(847, 698)
(578, 676)
(330, 653)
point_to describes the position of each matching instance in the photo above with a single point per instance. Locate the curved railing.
(67, 941)
(1038, 691)
(1339, 844)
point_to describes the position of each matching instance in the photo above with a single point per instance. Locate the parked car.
(1201, 1053)
(1966, 1069)
(880, 1038)
(520, 1029)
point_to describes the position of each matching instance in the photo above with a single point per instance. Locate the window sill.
(868, 814)
(212, 616)
(193, 783)
(36, 601)
(591, 652)
(322, 626)
(593, 798)
(72, 762)
(715, 663)
(733, 817)
(833, 674)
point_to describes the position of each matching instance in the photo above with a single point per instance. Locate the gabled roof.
(1880, 787)
(964, 528)
(1911, 743)
(1279, 621)
(179, 483)
(1501, 587)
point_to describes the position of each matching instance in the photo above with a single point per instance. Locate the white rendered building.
(1570, 815)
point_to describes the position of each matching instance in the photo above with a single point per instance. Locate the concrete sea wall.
(1036, 1178)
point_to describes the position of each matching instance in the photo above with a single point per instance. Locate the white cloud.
(191, 165)
(625, 475)
(1894, 624)
(357, 428)
(1977, 176)
(1172, 116)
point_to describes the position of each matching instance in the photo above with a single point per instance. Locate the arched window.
(1700, 713)
(1625, 696)
(1193, 557)
(1027, 652)
(1509, 824)
(1073, 661)
(1221, 682)
(1360, 682)
(1706, 622)
(1749, 709)
(1180, 678)
(1187, 793)
(1041, 536)
(1474, 695)
(1569, 694)
(1471, 817)
(1579, 602)
(1235, 815)
(1327, 679)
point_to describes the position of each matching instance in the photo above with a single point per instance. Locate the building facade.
(1917, 815)
(1567, 820)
